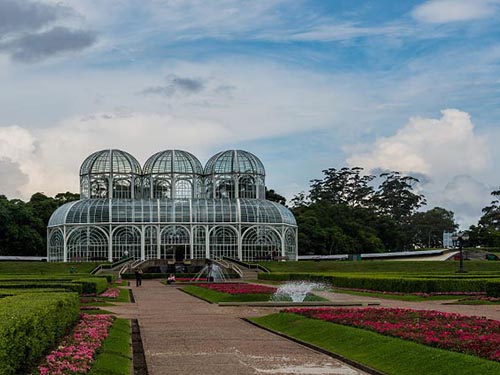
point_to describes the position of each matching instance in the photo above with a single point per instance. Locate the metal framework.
(172, 209)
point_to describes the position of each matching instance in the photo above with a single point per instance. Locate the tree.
(487, 232)
(395, 196)
(345, 186)
(429, 226)
(273, 196)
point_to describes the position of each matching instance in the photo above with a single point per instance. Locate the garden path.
(184, 335)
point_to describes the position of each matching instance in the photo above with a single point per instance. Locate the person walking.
(138, 277)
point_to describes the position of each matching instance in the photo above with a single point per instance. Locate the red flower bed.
(466, 334)
(235, 288)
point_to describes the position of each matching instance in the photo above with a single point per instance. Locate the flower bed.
(471, 335)
(237, 288)
(75, 353)
(110, 293)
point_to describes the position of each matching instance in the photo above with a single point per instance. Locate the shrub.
(387, 283)
(493, 289)
(30, 324)
(91, 285)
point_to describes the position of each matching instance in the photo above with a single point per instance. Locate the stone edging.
(350, 362)
(139, 360)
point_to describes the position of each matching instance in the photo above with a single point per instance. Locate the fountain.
(211, 272)
(296, 291)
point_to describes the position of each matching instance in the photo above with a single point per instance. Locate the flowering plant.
(76, 352)
(110, 293)
(239, 288)
(466, 334)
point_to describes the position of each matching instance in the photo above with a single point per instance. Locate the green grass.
(404, 297)
(474, 302)
(386, 354)
(216, 297)
(410, 267)
(45, 268)
(115, 357)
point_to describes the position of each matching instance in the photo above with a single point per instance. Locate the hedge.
(92, 284)
(32, 323)
(83, 285)
(391, 284)
(493, 289)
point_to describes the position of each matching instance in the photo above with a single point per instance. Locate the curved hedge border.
(30, 324)
(388, 283)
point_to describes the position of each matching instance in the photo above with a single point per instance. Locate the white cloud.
(444, 11)
(454, 160)
(434, 147)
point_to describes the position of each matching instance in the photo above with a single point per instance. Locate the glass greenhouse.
(172, 208)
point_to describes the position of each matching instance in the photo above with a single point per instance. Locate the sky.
(412, 86)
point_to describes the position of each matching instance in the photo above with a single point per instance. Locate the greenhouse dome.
(110, 174)
(235, 174)
(159, 220)
(172, 174)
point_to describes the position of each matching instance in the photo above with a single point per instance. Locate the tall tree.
(428, 226)
(273, 196)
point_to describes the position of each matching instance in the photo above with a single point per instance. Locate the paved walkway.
(184, 335)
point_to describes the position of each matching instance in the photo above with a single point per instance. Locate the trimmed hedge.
(493, 289)
(32, 323)
(387, 283)
(92, 284)
(83, 285)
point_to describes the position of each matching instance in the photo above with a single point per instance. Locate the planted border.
(383, 353)
(31, 323)
(387, 283)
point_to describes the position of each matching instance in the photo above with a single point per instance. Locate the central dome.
(173, 161)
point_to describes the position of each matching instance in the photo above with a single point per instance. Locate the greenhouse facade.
(173, 209)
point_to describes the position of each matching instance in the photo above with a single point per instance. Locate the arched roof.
(234, 161)
(173, 161)
(110, 161)
(128, 211)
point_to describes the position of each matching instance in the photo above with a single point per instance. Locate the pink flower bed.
(235, 288)
(75, 353)
(110, 293)
(465, 334)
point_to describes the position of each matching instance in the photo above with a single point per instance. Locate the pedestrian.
(138, 277)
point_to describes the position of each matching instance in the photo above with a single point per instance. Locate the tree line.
(23, 225)
(346, 212)
(350, 212)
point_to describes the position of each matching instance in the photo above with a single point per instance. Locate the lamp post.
(460, 237)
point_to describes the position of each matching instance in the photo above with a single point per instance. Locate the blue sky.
(305, 85)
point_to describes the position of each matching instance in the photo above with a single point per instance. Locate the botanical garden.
(177, 268)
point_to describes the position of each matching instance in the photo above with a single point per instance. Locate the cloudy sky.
(412, 86)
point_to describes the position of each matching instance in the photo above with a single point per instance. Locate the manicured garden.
(339, 334)
(236, 292)
(49, 323)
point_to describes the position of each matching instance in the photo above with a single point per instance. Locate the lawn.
(404, 297)
(45, 268)
(409, 267)
(386, 354)
(216, 297)
(115, 356)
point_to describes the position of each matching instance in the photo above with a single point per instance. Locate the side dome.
(173, 161)
(235, 174)
(110, 174)
(172, 174)
(110, 161)
(234, 161)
